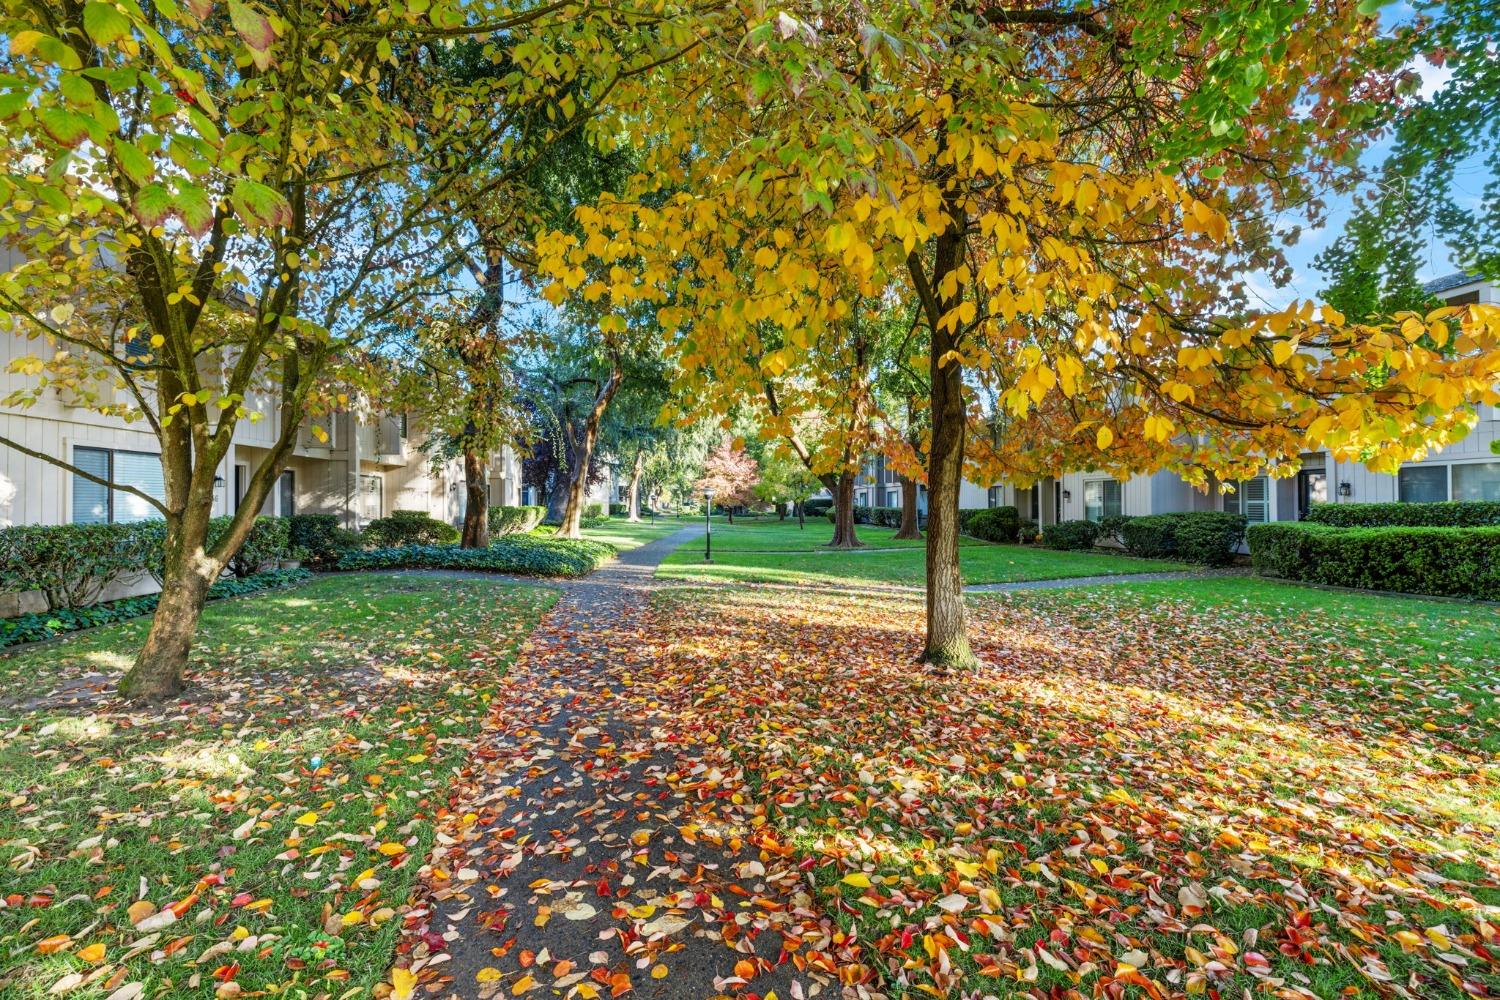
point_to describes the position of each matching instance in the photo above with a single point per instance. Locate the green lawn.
(623, 535)
(284, 803)
(1197, 788)
(1439, 661)
(779, 552)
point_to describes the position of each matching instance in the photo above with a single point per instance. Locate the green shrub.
(992, 524)
(1443, 562)
(515, 520)
(592, 522)
(72, 564)
(887, 517)
(1447, 514)
(619, 510)
(817, 506)
(1071, 535)
(833, 517)
(320, 538)
(524, 554)
(409, 527)
(594, 510)
(1113, 527)
(1026, 531)
(1209, 537)
(268, 541)
(34, 627)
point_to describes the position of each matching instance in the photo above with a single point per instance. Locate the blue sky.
(1470, 180)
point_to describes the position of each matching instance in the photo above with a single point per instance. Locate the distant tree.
(785, 479)
(1372, 266)
(730, 474)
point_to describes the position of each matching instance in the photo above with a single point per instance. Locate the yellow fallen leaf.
(353, 917)
(59, 942)
(659, 971)
(93, 954)
(1099, 866)
(521, 985)
(307, 819)
(488, 974)
(139, 910)
(403, 982)
(390, 848)
(416, 758)
(857, 879)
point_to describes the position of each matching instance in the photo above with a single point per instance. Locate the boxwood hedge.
(1448, 514)
(515, 520)
(1444, 562)
(1208, 537)
(524, 554)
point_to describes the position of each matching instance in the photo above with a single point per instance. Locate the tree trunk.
(910, 522)
(187, 574)
(947, 640)
(801, 515)
(583, 455)
(633, 498)
(844, 536)
(476, 503)
(781, 512)
(728, 513)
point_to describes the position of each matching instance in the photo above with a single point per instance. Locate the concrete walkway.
(583, 860)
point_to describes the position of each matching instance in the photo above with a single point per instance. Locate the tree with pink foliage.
(730, 474)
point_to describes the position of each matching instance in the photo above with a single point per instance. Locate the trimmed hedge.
(1447, 514)
(992, 524)
(319, 538)
(1071, 535)
(817, 506)
(72, 564)
(525, 554)
(515, 520)
(34, 627)
(886, 517)
(1208, 537)
(409, 527)
(1443, 562)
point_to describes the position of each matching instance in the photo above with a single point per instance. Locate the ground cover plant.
(262, 831)
(1221, 787)
(777, 552)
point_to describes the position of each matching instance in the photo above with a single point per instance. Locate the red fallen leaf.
(602, 888)
(241, 899)
(225, 973)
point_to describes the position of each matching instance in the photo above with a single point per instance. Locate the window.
(1252, 498)
(1101, 499)
(995, 495)
(1422, 484)
(286, 485)
(1479, 481)
(96, 504)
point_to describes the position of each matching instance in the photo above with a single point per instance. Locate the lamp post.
(708, 526)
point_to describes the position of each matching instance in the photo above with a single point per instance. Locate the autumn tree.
(785, 479)
(1070, 194)
(730, 475)
(210, 208)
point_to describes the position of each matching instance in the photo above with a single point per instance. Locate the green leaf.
(104, 23)
(137, 165)
(1370, 8)
(153, 204)
(194, 206)
(67, 128)
(259, 205)
(255, 30)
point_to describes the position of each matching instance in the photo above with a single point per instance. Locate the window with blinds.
(1252, 498)
(1101, 499)
(1422, 484)
(97, 504)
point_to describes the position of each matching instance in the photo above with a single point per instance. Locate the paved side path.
(596, 859)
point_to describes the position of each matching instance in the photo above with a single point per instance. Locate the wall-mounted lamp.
(1346, 490)
(218, 482)
(1067, 496)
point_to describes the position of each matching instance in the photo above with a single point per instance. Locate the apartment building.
(1466, 470)
(370, 463)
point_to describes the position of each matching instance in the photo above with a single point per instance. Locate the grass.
(778, 552)
(284, 803)
(1211, 780)
(622, 534)
(1436, 660)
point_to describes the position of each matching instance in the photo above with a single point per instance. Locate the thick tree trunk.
(633, 499)
(801, 515)
(910, 522)
(476, 503)
(188, 573)
(947, 640)
(844, 536)
(583, 455)
(728, 513)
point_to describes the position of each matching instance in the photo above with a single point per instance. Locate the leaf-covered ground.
(263, 833)
(770, 551)
(1214, 788)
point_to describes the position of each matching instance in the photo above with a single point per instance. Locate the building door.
(1312, 487)
(241, 483)
(286, 486)
(1057, 513)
